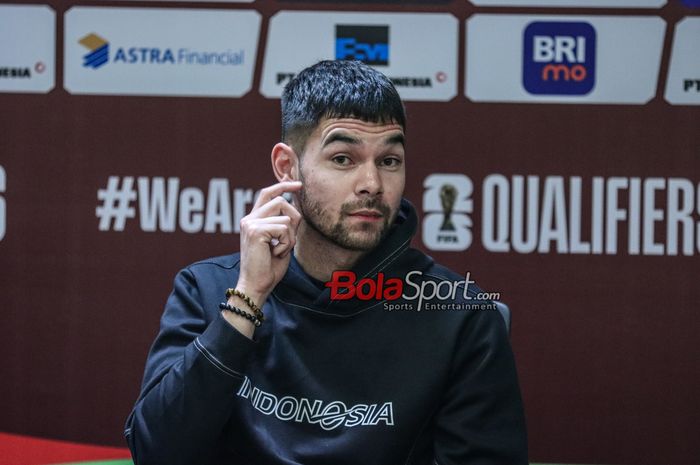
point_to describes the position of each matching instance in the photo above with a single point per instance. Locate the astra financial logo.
(559, 58)
(99, 51)
(369, 44)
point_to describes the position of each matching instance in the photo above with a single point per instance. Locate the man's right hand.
(268, 235)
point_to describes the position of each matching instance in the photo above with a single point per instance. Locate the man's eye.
(342, 160)
(391, 162)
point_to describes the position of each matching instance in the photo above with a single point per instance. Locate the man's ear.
(285, 162)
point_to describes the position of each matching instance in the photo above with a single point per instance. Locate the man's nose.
(369, 180)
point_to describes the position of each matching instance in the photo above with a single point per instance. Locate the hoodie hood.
(393, 257)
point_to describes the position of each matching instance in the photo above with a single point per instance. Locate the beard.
(363, 237)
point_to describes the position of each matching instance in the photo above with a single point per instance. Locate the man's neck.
(319, 257)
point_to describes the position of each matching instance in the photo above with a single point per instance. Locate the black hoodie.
(329, 381)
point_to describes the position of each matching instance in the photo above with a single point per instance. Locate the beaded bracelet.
(243, 313)
(258, 313)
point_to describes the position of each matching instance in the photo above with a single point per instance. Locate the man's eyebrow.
(340, 137)
(348, 139)
(396, 139)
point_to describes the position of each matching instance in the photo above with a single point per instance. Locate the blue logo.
(369, 44)
(692, 3)
(559, 58)
(98, 53)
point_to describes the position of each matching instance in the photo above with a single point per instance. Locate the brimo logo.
(344, 286)
(559, 58)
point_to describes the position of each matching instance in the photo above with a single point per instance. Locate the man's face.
(353, 178)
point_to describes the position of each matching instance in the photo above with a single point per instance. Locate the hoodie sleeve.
(192, 373)
(481, 419)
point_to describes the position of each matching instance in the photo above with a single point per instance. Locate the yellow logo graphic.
(99, 50)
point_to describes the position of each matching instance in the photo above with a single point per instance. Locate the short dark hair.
(337, 89)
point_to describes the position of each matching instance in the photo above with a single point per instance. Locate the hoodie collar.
(392, 256)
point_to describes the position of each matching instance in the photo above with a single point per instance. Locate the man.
(326, 376)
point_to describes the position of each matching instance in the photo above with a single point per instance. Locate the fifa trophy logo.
(448, 195)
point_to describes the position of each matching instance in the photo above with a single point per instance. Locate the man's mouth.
(367, 214)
